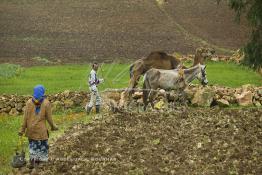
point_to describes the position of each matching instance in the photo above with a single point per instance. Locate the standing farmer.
(37, 112)
(93, 82)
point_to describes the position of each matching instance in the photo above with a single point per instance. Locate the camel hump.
(159, 54)
(162, 54)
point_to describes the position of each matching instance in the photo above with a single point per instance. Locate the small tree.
(253, 11)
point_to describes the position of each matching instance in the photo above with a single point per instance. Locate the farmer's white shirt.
(93, 81)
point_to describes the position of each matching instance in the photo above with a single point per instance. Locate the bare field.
(80, 31)
(186, 141)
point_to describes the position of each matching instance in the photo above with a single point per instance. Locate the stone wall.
(247, 95)
(236, 57)
(195, 95)
(208, 96)
(14, 104)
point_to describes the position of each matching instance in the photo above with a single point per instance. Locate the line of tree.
(252, 9)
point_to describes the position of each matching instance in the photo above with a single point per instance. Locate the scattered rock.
(256, 97)
(195, 94)
(19, 107)
(189, 93)
(124, 98)
(245, 99)
(257, 104)
(113, 105)
(162, 92)
(140, 101)
(66, 93)
(247, 87)
(171, 96)
(23, 109)
(137, 95)
(222, 103)
(203, 97)
(162, 143)
(216, 59)
(160, 105)
(226, 97)
(57, 106)
(1, 104)
(68, 103)
(13, 112)
(259, 92)
(77, 100)
(7, 109)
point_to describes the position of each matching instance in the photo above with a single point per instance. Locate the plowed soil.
(79, 31)
(187, 141)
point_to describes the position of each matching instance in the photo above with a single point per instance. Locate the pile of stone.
(236, 57)
(208, 96)
(247, 95)
(194, 95)
(15, 104)
(12, 104)
(68, 99)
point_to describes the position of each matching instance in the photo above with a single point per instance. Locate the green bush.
(10, 70)
(253, 11)
(253, 51)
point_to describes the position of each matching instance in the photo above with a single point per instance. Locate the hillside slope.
(77, 31)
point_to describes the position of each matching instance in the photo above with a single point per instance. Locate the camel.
(161, 60)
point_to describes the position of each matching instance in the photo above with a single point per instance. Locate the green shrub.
(10, 70)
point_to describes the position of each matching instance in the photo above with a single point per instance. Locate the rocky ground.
(185, 141)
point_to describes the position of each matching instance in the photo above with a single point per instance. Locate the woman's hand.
(54, 128)
(20, 133)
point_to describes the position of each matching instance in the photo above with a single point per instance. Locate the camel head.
(203, 54)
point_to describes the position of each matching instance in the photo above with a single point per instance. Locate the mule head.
(202, 76)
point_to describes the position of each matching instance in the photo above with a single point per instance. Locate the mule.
(171, 80)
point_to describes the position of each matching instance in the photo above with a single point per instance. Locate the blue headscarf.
(38, 97)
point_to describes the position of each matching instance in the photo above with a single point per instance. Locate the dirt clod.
(202, 141)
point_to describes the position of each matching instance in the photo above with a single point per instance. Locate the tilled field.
(79, 31)
(187, 141)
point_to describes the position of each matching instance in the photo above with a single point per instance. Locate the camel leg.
(133, 83)
(137, 71)
(136, 81)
